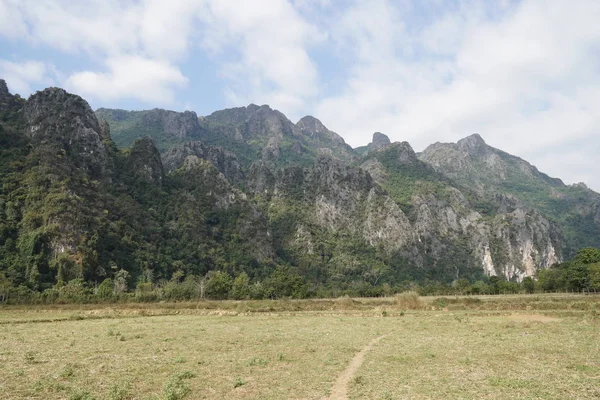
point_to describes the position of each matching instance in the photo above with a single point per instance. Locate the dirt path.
(340, 388)
(532, 317)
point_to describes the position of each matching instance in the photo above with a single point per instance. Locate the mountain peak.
(473, 144)
(311, 123)
(474, 140)
(380, 141)
(404, 151)
(3, 89)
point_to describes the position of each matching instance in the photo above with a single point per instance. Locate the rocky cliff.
(246, 190)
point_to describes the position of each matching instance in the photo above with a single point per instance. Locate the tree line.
(581, 274)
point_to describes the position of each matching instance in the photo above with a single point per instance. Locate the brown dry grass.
(510, 346)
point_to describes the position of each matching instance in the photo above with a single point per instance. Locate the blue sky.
(524, 74)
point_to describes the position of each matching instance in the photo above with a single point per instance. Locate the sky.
(525, 74)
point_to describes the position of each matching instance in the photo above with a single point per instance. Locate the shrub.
(143, 292)
(218, 285)
(176, 387)
(240, 289)
(105, 289)
(409, 300)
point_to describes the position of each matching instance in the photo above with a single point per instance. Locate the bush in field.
(240, 290)
(283, 282)
(144, 292)
(528, 284)
(176, 387)
(121, 281)
(409, 300)
(479, 287)
(105, 289)
(218, 285)
(74, 291)
(257, 291)
(190, 288)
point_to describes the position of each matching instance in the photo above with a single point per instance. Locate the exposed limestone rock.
(145, 163)
(225, 161)
(181, 125)
(66, 123)
(380, 141)
(3, 89)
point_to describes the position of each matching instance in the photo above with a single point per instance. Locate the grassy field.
(524, 347)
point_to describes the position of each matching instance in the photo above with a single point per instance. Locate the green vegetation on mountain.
(246, 204)
(489, 171)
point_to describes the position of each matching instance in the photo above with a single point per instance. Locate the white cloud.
(130, 77)
(146, 36)
(263, 46)
(12, 24)
(260, 45)
(526, 76)
(20, 76)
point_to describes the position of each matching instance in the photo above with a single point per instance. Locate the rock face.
(380, 141)
(245, 189)
(4, 93)
(326, 141)
(498, 178)
(145, 163)
(165, 128)
(67, 124)
(69, 167)
(429, 209)
(248, 132)
(181, 125)
(225, 161)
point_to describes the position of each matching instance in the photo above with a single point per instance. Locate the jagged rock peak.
(58, 103)
(380, 141)
(3, 89)
(312, 127)
(403, 150)
(311, 123)
(145, 161)
(61, 121)
(104, 130)
(474, 142)
(174, 123)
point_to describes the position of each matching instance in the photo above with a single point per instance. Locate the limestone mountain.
(379, 142)
(246, 190)
(494, 174)
(166, 128)
(441, 202)
(251, 133)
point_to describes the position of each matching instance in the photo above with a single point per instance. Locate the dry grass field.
(522, 347)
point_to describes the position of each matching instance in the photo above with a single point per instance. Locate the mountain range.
(160, 193)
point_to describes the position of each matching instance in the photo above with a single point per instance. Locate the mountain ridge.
(247, 191)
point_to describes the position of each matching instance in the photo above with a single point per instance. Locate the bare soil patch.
(532, 318)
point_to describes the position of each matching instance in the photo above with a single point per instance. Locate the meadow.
(406, 347)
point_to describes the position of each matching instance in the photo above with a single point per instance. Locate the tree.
(284, 283)
(240, 289)
(587, 255)
(494, 285)
(578, 277)
(218, 285)
(121, 278)
(528, 284)
(594, 274)
(105, 289)
(547, 279)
